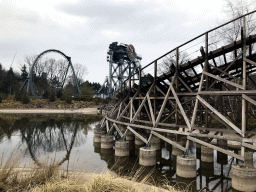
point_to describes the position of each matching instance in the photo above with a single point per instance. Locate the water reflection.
(69, 139)
(43, 134)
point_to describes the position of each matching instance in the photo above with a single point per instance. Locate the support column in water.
(107, 141)
(122, 148)
(206, 154)
(243, 178)
(186, 166)
(147, 156)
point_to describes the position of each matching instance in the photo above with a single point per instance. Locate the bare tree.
(170, 61)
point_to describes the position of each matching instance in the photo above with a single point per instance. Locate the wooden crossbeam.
(118, 130)
(137, 134)
(181, 80)
(250, 61)
(249, 146)
(220, 115)
(223, 80)
(180, 106)
(236, 138)
(249, 99)
(216, 148)
(163, 106)
(151, 109)
(169, 141)
(107, 126)
(227, 69)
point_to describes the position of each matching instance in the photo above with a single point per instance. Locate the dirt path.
(89, 111)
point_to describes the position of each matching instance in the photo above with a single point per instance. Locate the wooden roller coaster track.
(209, 97)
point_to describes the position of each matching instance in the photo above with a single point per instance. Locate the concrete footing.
(243, 179)
(122, 148)
(206, 154)
(97, 136)
(176, 151)
(186, 167)
(107, 141)
(155, 143)
(248, 159)
(147, 157)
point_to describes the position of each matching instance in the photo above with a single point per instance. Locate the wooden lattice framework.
(186, 105)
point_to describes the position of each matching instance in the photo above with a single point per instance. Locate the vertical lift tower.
(123, 62)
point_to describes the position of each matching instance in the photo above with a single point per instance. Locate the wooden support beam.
(163, 106)
(223, 80)
(151, 110)
(220, 115)
(181, 80)
(169, 141)
(250, 61)
(216, 148)
(107, 126)
(249, 146)
(137, 134)
(236, 138)
(227, 69)
(249, 99)
(118, 130)
(180, 106)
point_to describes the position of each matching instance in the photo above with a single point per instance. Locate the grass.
(49, 178)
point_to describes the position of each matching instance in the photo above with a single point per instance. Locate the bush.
(68, 100)
(59, 94)
(25, 99)
(18, 96)
(46, 95)
(52, 98)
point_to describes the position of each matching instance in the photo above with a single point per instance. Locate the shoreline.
(86, 111)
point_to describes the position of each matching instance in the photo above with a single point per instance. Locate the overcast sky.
(84, 29)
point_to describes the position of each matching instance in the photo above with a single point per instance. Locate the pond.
(68, 141)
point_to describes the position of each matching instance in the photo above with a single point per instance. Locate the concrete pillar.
(147, 157)
(97, 136)
(155, 143)
(176, 151)
(243, 179)
(138, 141)
(206, 154)
(122, 148)
(107, 141)
(186, 167)
(248, 159)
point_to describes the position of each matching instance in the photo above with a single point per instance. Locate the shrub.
(52, 98)
(46, 95)
(18, 96)
(68, 100)
(25, 99)
(59, 94)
